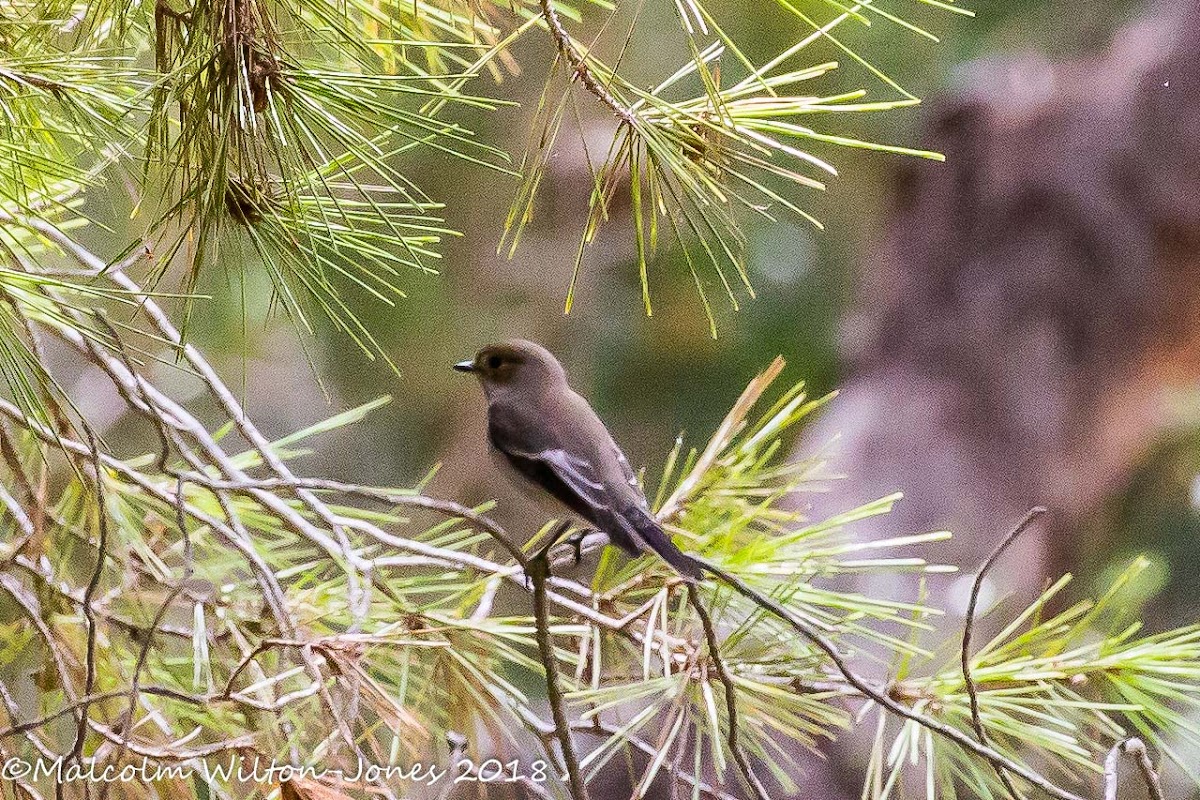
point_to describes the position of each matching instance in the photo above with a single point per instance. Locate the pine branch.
(968, 629)
(731, 707)
(537, 569)
(361, 585)
(578, 63)
(881, 696)
(1136, 750)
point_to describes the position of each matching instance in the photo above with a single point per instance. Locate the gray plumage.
(553, 438)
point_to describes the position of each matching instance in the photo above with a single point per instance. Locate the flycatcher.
(552, 437)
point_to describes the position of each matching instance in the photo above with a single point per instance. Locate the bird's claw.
(575, 540)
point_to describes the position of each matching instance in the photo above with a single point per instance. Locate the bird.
(551, 437)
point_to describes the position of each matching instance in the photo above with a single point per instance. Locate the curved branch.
(968, 630)
(731, 710)
(538, 570)
(578, 63)
(89, 594)
(1135, 748)
(882, 697)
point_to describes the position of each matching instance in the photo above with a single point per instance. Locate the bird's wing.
(575, 483)
(572, 461)
(592, 488)
(572, 480)
(628, 474)
(578, 474)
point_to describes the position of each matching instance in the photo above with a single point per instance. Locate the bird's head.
(514, 363)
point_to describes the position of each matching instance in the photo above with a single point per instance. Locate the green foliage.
(251, 134)
(690, 163)
(61, 108)
(399, 630)
(277, 127)
(201, 600)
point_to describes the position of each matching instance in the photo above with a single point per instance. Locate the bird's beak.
(465, 366)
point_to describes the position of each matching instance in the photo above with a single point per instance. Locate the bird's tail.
(649, 531)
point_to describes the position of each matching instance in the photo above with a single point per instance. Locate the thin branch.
(1136, 749)
(538, 570)
(430, 555)
(881, 696)
(51, 584)
(968, 630)
(731, 709)
(89, 680)
(578, 63)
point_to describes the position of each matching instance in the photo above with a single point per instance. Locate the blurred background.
(1015, 326)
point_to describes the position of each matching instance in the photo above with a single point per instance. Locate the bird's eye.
(494, 362)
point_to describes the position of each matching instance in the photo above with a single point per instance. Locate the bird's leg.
(581, 543)
(576, 541)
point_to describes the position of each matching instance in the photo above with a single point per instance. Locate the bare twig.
(578, 62)
(1136, 749)
(968, 630)
(881, 697)
(731, 709)
(89, 680)
(359, 600)
(538, 570)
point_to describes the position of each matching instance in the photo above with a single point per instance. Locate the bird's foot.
(575, 540)
(578, 543)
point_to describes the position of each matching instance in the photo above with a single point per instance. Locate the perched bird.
(552, 437)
